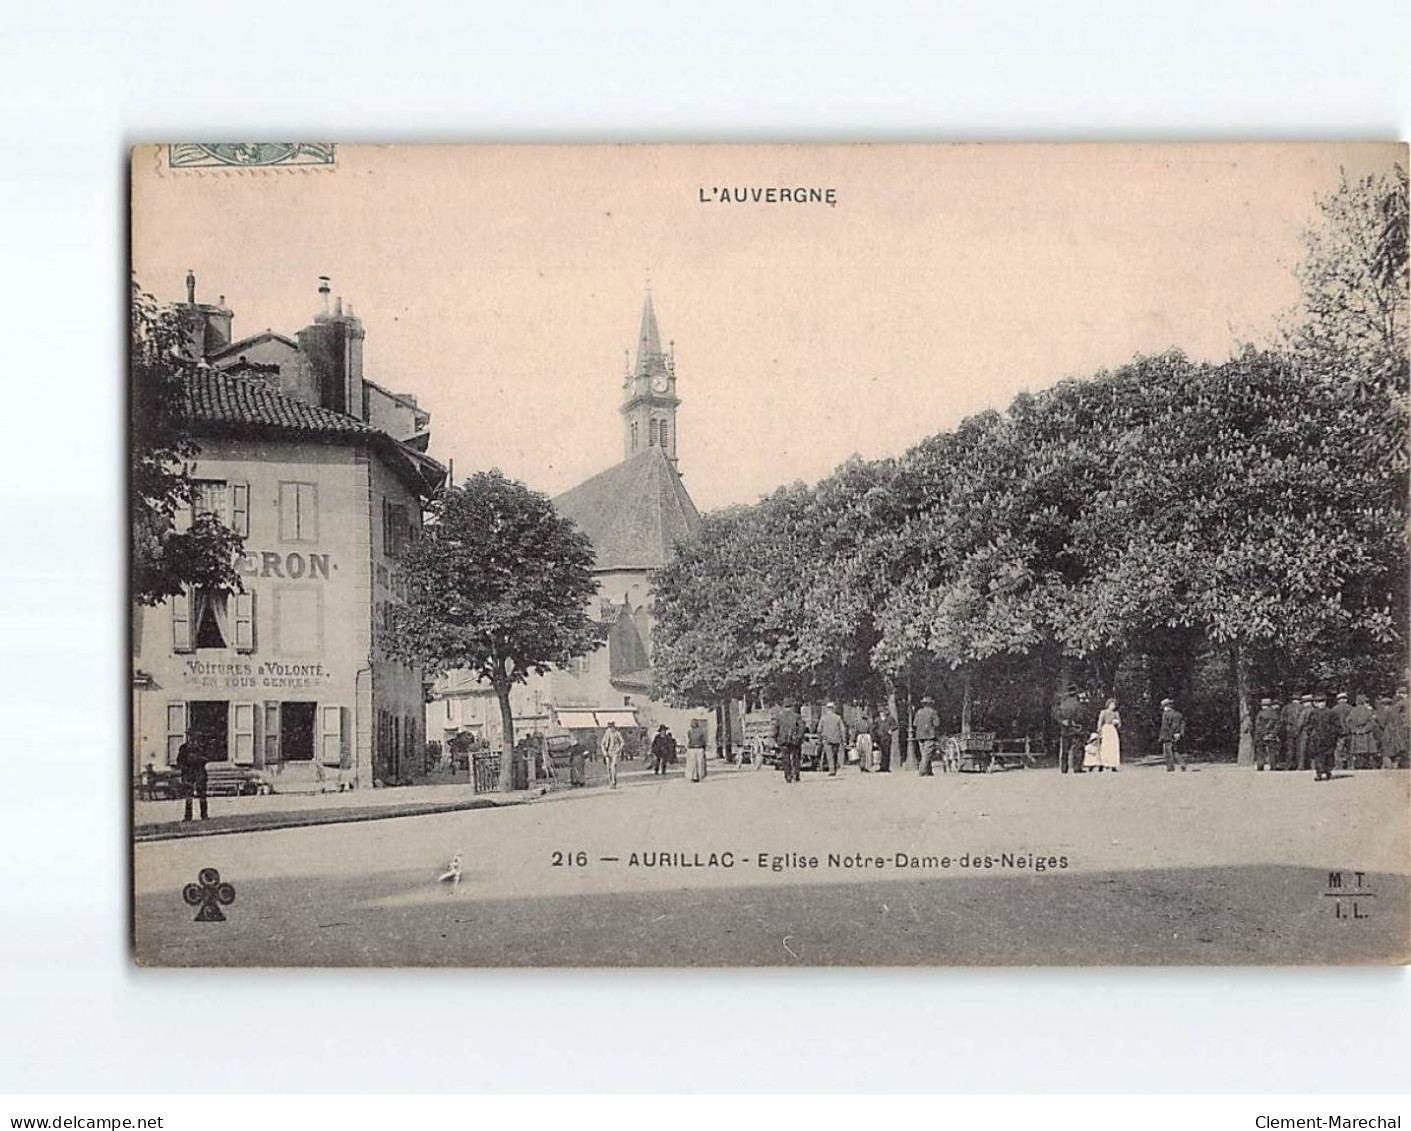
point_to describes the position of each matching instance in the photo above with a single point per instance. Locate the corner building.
(325, 475)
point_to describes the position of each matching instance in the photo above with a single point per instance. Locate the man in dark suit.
(661, 749)
(192, 764)
(788, 738)
(1324, 735)
(1067, 713)
(1173, 730)
(1268, 725)
(1305, 732)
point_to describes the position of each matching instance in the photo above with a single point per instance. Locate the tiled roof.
(219, 398)
(246, 343)
(634, 512)
(641, 679)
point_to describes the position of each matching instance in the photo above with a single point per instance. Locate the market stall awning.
(622, 716)
(572, 718)
(584, 717)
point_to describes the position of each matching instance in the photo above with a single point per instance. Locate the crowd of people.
(1318, 732)
(1323, 732)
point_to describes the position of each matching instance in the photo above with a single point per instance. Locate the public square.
(1217, 865)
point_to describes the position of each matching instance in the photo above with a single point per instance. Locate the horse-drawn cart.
(984, 752)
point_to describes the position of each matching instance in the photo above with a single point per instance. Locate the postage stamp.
(823, 555)
(249, 155)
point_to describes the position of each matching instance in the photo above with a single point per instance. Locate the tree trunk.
(1107, 662)
(894, 755)
(1244, 692)
(728, 728)
(908, 743)
(966, 699)
(502, 693)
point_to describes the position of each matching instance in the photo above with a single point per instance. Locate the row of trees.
(1133, 528)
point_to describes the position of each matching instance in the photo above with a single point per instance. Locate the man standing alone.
(1267, 726)
(926, 728)
(833, 735)
(610, 747)
(192, 764)
(1173, 730)
(788, 739)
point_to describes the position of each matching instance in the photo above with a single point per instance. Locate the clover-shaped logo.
(209, 894)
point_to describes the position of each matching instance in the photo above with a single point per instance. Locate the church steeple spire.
(649, 404)
(649, 352)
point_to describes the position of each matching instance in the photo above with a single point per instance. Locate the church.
(634, 512)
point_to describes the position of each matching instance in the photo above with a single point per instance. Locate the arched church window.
(661, 434)
(634, 435)
(653, 427)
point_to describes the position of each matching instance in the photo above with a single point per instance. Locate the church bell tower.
(649, 399)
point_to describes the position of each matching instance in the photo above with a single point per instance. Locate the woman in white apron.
(1109, 724)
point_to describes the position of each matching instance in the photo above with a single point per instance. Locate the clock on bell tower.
(649, 393)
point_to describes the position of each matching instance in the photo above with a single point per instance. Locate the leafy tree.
(162, 449)
(1354, 276)
(498, 585)
(701, 635)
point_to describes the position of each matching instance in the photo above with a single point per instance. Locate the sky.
(501, 284)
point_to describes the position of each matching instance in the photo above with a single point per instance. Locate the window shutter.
(308, 512)
(242, 750)
(181, 638)
(399, 530)
(288, 512)
(330, 735)
(244, 622)
(240, 508)
(271, 732)
(176, 728)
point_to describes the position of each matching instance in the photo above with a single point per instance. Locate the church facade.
(635, 513)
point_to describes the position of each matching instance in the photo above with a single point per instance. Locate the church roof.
(634, 512)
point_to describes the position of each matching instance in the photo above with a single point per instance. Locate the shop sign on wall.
(292, 565)
(251, 674)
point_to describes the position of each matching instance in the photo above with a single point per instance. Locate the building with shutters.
(634, 512)
(325, 475)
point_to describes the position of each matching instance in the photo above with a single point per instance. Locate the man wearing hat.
(1324, 733)
(191, 761)
(1394, 734)
(926, 729)
(1067, 713)
(1290, 717)
(1173, 729)
(1342, 709)
(1267, 726)
(610, 745)
(788, 738)
(662, 746)
(1305, 731)
(1361, 737)
(833, 735)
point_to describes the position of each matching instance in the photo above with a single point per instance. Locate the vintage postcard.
(867, 555)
